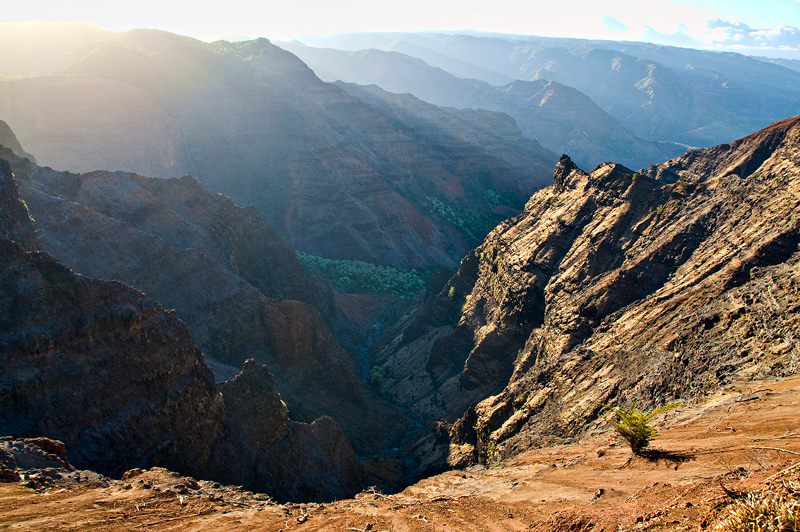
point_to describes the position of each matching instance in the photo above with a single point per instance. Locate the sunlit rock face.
(612, 286)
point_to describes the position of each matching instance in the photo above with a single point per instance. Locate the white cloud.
(722, 34)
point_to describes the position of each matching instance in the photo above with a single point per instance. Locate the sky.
(764, 27)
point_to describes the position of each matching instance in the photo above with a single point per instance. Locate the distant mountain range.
(559, 117)
(335, 176)
(660, 93)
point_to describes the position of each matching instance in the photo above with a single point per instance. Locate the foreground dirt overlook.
(744, 438)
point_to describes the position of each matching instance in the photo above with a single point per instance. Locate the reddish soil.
(745, 438)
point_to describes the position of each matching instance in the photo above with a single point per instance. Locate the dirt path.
(742, 439)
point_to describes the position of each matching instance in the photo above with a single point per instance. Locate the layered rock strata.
(613, 286)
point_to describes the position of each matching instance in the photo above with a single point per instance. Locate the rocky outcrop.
(296, 461)
(237, 286)
(15, 221)
(334, 176)
(614, 286)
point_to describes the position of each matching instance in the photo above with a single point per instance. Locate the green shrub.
(474, 226)
(376, 376)
(634, 425)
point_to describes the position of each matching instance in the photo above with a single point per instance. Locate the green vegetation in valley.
(358, 277)
(471, 224)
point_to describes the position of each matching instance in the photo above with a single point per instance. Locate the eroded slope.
(613, 286)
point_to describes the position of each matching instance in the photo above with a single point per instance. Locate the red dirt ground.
(744, 438)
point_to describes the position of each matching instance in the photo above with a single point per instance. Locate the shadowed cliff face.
(96, 363)
(108, 371)
(334, 176)
(236, 285)
(614, 286)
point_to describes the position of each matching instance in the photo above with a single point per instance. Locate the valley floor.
(745, 438)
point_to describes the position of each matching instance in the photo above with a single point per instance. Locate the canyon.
(156, 329)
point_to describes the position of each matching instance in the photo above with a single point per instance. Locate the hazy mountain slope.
(9, 140)
(659, 92)
(791, 64)
(39, 48)
(237, 286)
(560, 118)
(745, 85)
(252, 121)
(614, 286)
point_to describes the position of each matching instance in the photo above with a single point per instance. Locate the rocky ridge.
(612, 286)
(103, 368)
(237, 286)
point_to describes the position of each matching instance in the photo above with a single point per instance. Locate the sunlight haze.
(769, 26)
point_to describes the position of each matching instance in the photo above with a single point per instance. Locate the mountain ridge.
(612, 286)
(560, 117)
(335, 177)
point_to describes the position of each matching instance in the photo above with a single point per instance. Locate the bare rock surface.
(613, 286)
(100, 367)
(237, 286)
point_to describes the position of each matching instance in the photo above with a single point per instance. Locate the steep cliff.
(101, 367)
(97, 364)
(614, 286)
(237, 286)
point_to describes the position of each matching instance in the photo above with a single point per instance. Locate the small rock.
(131, 473)
(48, 445)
